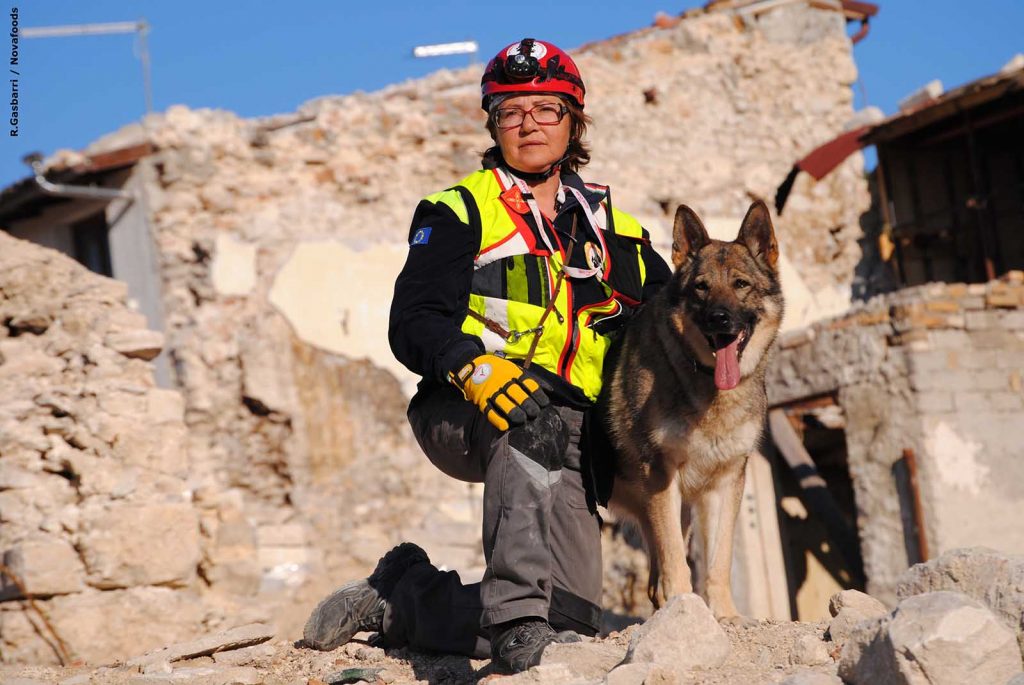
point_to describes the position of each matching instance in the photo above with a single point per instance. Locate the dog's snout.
(719, 318)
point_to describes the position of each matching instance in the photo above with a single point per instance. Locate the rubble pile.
(937, 637)
(96, 517)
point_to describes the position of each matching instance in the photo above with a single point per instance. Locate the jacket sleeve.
(432, 294)
(658, 272)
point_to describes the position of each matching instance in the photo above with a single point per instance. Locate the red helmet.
(532, 66)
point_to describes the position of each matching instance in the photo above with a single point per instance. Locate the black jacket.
(432, 291)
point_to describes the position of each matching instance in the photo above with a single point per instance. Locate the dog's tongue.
(727, 365)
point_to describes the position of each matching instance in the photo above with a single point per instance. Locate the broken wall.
(936, 369)
(97, 519)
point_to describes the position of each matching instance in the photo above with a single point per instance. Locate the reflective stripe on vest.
(568, 348)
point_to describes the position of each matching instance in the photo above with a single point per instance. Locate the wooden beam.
(814, 491)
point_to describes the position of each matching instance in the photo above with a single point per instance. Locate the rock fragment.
(590, 660)
(681, 635)
(235, 638)
(939, 638)
(849, 608)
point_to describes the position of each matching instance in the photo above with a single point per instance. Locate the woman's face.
(532, 147)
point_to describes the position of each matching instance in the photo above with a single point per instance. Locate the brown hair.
(577, 154)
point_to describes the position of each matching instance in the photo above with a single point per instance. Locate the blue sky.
(259, 57)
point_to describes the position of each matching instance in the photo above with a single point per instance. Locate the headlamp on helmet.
(531, 66)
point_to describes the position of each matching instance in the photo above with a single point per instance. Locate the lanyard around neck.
(570, 271)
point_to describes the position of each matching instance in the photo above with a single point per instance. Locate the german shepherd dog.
(686, 399)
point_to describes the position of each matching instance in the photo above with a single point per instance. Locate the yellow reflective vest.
(514, 278)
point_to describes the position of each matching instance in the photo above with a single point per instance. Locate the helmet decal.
(537, 49)
(532, 66)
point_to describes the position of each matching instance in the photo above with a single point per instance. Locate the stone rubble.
(938, 638)
(96, 516)
(684, 620)
(850, 608)
(992, 578)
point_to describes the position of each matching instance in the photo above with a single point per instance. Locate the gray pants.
(542, 542)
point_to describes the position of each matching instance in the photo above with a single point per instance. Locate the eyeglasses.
(545, 114)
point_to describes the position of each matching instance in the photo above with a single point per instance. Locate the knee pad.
(544, 439)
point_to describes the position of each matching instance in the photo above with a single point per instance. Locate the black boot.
(519, 645)
(359, 605)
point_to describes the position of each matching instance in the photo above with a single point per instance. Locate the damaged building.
(256, 259)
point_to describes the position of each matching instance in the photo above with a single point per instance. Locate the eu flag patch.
(420, 237)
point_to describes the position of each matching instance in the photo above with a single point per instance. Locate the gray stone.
(235, 638)
(590, 660)
(993, 578)
(1016, 680)
(682, 635)
(940, 638)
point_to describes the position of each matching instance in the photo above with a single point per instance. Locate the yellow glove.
(505, 394)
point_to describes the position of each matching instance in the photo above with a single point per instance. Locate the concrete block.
(934, 360)
(979, 359)
(1013, 321)
(1006, 401)
(981, 320)
(973, 302)
(934, 402)
(993, 339)
(972, 401)
(45, 566)
(129, 545)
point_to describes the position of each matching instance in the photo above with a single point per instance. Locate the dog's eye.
(700, 285)
(740, 284)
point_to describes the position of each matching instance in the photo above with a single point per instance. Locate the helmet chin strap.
(537, 176)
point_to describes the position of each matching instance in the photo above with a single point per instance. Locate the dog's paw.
(737, 621)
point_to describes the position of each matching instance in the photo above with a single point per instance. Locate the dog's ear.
(688, 236)
(757, 234)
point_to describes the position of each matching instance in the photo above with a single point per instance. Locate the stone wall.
(937, 369)
(97, 519)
